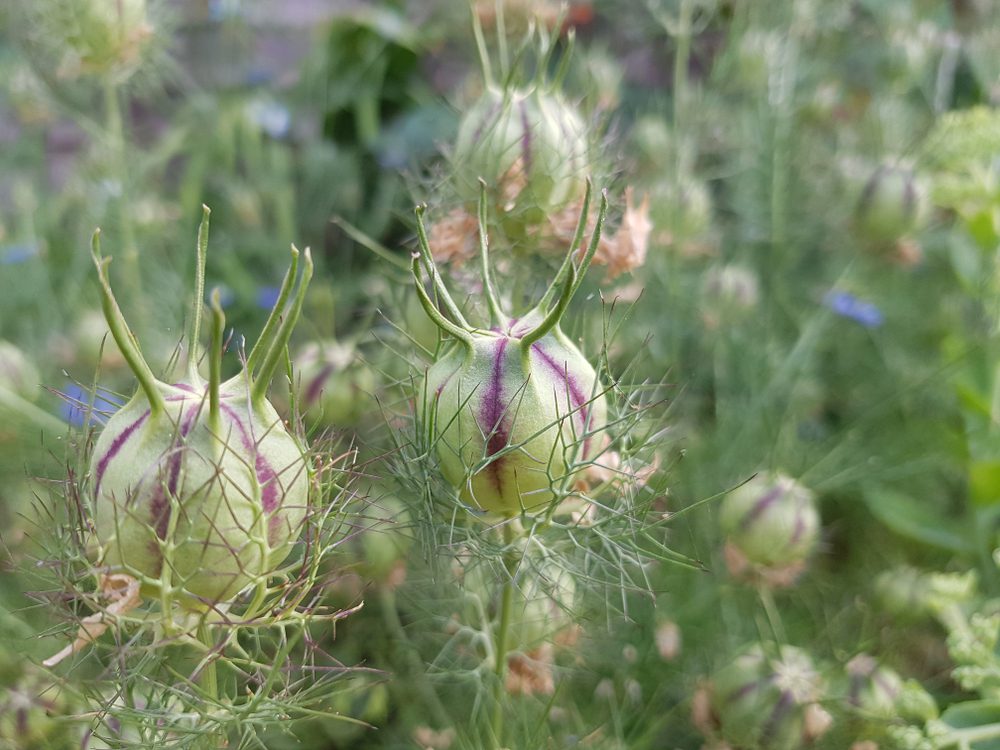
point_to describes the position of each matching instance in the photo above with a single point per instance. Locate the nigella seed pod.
(893, 203)
(334, 388)
(198, 488)
(524, 138)
(768, 700)
(512, 408)
(771, 521)
(529, 143)
(873, 690)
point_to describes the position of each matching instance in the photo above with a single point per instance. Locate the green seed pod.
(198, 488)
(510, 408)
(727, 293)
(529, 143)
(334, 387)
(768, 703)
(893, 203)
(772, 520)
(681, 208)
(873, 690)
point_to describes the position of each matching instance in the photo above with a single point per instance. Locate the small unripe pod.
(333, 386)
(510, 408)
(873, 690)
(764, 701)
(893, 203)
(727, 293)
(772, 520)
(531, 144)
(198, 488)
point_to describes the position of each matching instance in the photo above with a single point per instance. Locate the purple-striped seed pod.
(510, 408)
(768, 700)
(873, 690)
(772, 520)
(198, 488)
(893, 203)
(335, 388)
(530, 145)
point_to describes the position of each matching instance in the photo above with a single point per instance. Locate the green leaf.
(916, 521)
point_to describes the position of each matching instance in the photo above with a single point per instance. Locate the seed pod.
(727, 293)
(762, 702)
(893, 203)
(873, 690)
(531, 144)
(772, 520)
(510, 408)
(334, 387)
(198, 488)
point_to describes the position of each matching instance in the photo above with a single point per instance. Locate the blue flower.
(267, 296)
(12, 255)
(271, 117)
(79, 406)
(846, 305)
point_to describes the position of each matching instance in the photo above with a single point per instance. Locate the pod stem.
(595, 241)
(199, 294)
(581, 228)
(276, 347)
(121, 332)
(484, 57)
(552, 318)
(428, 259)
(496, 314)
(431, 310)
(215, 357)
(266, 336)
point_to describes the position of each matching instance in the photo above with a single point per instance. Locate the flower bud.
(198, 488)
(334, 388)
(771, 520)
(762, 702)
(531, 144)
(510, 408)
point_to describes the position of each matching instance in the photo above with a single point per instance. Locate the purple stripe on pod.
(577, 395)
(159, 511)
(482, 125)
(750, 687)
(492, 413)
(525, 138)
(785, 705)
(116, 445)
(266, 477)
(800, 525)
(762, 504)
(315, 387)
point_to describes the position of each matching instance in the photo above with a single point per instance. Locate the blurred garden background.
(787, 536)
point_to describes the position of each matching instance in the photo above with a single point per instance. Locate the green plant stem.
(510, 562)
(115, 125)
(209, 674)
(772, 613)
